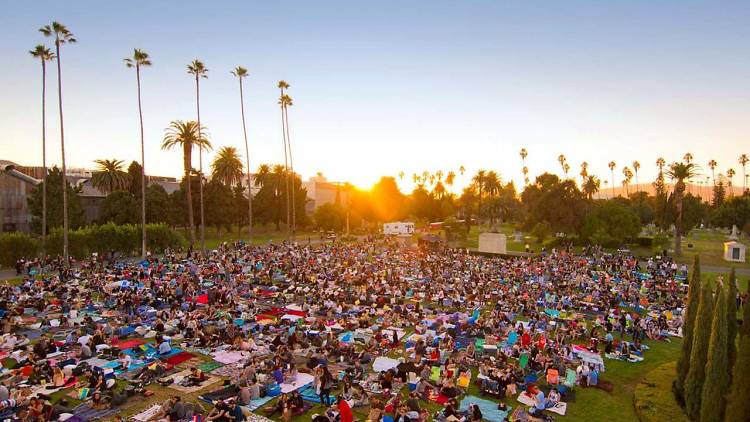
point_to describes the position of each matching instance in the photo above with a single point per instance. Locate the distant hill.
(703, 191)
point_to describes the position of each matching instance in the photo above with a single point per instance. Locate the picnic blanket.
(177, 359)
(178, 377)
(210, 366)
(559, 408)
(226, 357)
(308, 393)
(230, 371)
(382, 363)
(258, 403)
(300, 381)
(86, 413)
(521, 415)
(128, 344)
(489, 409)
(220, 394)
(253, 417)
(147, 414)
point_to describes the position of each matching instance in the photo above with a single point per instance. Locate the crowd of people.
(370, 327)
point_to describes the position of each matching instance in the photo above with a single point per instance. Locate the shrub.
(16, 245)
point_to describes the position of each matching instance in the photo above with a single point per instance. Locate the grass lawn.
(591, 404)
(261, 235)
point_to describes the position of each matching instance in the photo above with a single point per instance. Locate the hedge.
(124, 239)
(15, 245)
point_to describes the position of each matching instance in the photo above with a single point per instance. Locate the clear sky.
(386, 86)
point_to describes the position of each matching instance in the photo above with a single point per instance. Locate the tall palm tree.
(628, 174)
(62, 35)
(450, 178)
(636, 167)
(140, 59)
(186, 136)
(479, 181)
(561, 159)
(660, 163)
(730, 175)
(712, 165)
(227, 166)
(45, 55)
(198, 70)
(591, 186)
(612, 166)
(523, 153)
(688, 157)
(282, 85)
(743, 162)
(584, 172)
(288, 103)
(240, 72)
(110, 176)
(680, 172)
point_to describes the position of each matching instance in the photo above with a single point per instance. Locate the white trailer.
(398, 228)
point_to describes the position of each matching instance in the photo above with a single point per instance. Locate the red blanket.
(179, 358)
(129, 344)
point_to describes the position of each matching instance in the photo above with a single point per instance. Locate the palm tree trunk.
(143, 166)
(247, 163)
(613, 183)
(678, 221)
(44, 158)
(200, 164)
(62, 150)
(291, 167)
(286, 166)
(187, 152)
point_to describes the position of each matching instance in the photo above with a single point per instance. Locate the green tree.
(187, 136)
(44, 54)
(54, 203)
(693, 298)
(610, 223)
(329, 217)
(717, 365)
(388, 201)
(134, 170)
(699, 354)
(158, 206)
(120, 208)
(557, 202)
(221, 212)
(110, 176)
(680, 172)
(732, 317)
(140, 59)
(738, 405)
(227, 166)
(62, 35)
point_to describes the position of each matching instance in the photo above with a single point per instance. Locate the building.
(734, 251)
(320, 191)
(17, 182)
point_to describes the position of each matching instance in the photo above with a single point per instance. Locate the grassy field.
(261, 235)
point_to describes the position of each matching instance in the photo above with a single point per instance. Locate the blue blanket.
(489, 409)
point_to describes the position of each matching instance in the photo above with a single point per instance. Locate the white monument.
(734, 251)
(492, 243)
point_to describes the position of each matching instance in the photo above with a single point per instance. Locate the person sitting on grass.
(196, 377)
(220, 413)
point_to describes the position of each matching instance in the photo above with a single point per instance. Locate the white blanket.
(383, 363)
(300, 381)
(559, 408)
